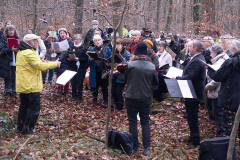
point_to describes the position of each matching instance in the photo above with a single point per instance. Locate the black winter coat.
(174, 47)
(207, 56)
(81, 55)
(229, 76)
(5, 58)
(196, 72)
(89, 37)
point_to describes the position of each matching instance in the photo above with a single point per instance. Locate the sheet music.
(184, 88)
(181, 61)
(65, 77)
(64, 45)
(216, 66)
(174, 72)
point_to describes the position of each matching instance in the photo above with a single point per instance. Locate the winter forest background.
(185, 17)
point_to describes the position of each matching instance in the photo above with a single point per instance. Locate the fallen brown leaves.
(66, 130)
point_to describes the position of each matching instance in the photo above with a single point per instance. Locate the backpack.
(215, 149)
(121, 140)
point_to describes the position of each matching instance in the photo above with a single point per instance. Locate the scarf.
(77, 45)
(143, 57)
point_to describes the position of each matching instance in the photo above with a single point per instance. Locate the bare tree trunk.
(169, 17)
(233, 135)
(196, 16)
(115, 28)
(184, 16)
(35, 2)
(158, 17)
(3, 3)
(78, 16)
(116, 18)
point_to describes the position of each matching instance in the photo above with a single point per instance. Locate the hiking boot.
(14, 94)
(147, 151)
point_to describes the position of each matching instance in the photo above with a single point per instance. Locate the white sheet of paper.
(64, 45)
(216, 66)
(65, 77)
(174, 72)
(181, 61)
(184, 88)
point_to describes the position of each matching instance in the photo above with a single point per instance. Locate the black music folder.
(180, 88)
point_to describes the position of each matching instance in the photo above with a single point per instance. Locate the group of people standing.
(146, 60)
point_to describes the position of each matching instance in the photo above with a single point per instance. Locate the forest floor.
(66, 130)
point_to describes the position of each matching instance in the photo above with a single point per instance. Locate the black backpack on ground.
(215, 149)
(121, 140)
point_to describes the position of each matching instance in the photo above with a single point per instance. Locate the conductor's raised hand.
(58, 63)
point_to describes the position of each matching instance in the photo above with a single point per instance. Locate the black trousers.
(117, 90)
(210, 110)
(28, 112)
(192, 118)
(10, 82)
(77, 83)
(144, 120)
(103, 83)
(218, 116)
(162, 88)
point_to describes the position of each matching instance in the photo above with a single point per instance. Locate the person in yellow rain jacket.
(29, 82)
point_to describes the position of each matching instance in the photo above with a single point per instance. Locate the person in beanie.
(29, 82)
(151, 54)
(141, 78)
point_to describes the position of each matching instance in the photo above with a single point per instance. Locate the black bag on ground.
(121, 140)
(215, 149)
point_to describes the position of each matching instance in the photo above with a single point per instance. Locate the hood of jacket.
(150, 52)
(236, 60)
(24, 46)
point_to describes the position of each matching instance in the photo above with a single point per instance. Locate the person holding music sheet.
(213, 88)
(141, 78)
(196, 72)
(29, 82)
(8, 59)
(118, 78)
(229, 93)
(97, 70)
(165, 60)
(173, 46)
(78, 64)
(64, 62)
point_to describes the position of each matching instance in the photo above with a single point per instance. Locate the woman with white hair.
(29, 82)
(229, 93)
(227, 43)
(136, 38)
(97, 68)
(8, 59)
(79, 65)
(213, 88)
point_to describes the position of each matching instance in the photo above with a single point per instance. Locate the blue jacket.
(126, 55)
(92, 75)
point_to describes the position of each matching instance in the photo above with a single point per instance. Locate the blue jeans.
(50, 75)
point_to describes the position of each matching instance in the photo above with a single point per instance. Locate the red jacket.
(132, 46)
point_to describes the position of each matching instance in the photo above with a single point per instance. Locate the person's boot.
(147, 151)
(195, 141)
(105, 104)
(79, 100)
(8, 95)
(14, 94)
(66, 93)
(59, 94)
(94, 102)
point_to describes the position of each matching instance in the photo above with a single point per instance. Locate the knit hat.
(62, 29)
(30, 37)
(149, 43)
(141, 49)
(78, 36)
(110, 30)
